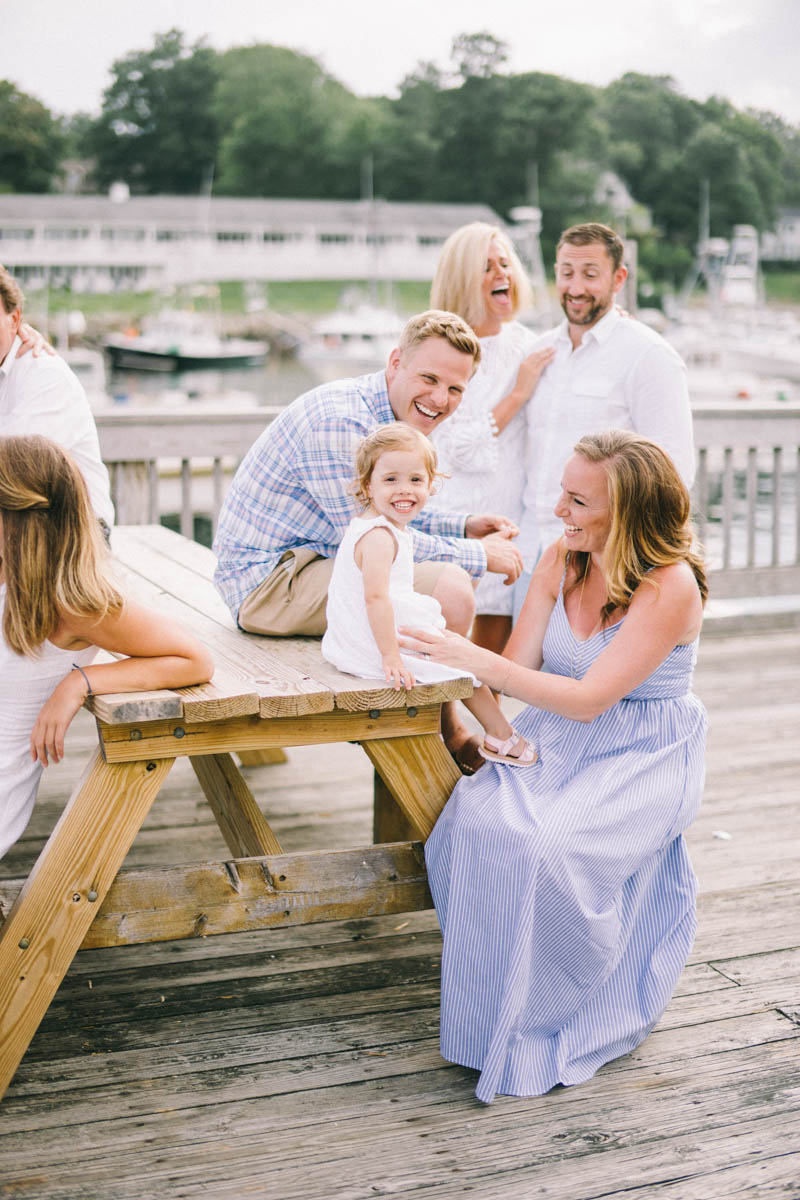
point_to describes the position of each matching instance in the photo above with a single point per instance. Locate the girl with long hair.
(59, 604)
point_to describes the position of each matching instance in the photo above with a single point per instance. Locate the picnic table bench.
(266, 694)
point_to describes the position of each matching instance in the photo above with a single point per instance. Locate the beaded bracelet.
(75, 667)
(493, 429)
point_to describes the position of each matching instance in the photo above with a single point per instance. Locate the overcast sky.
(746, 50)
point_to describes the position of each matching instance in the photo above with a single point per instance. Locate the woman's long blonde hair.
(650, 513)
(54, 556)
(457, 283)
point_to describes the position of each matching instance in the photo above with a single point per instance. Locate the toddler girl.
(372, 593)
(57, 605)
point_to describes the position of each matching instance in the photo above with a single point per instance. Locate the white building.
(117, 242)
(783, 244)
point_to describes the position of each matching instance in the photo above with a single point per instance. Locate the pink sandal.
(493, 750)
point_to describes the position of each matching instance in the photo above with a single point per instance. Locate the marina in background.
(742, 355)
(181, 340)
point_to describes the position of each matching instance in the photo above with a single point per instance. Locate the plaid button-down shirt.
(293, 489)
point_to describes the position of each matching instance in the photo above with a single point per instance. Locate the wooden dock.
(302, 1063)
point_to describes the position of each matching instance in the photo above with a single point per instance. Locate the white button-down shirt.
(623, 375)
(42, 396)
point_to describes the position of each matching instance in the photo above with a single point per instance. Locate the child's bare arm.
(374, 554)
(160, 654)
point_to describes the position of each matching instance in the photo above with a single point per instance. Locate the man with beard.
(609, 372)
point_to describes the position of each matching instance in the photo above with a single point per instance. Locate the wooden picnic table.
(266, 694)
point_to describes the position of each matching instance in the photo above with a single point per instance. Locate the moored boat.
(350, 341)
(180, 341)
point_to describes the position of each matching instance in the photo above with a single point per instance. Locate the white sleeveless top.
(349, 642)
(25, 684)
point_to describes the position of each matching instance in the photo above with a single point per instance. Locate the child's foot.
(515, 751)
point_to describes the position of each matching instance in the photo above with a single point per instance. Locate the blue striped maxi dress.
(564, 890)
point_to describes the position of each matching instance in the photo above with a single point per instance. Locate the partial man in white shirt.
(41, 395)
(609, 372)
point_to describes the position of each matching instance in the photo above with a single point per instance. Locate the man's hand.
(32, 340)
(480, 526)
(502, 556)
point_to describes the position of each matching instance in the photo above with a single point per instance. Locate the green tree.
(358, 136)
(550, 122)
(157, 130)
(495, 131)
(470, 164)
(284, 126)
(764, 159)
(650, 124)
(788, 138)
(425, 74)
(478, 55)
(407, 158)
(32, 144)
(663, 144)
(77, 131)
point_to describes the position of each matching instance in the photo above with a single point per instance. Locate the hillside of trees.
(263, 120)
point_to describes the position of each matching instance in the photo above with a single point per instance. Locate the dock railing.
(175, 466)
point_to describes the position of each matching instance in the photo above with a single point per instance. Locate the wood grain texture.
(175, 576)
(420, 774)
(244, 827)
(301, 1061)
(260, 758)
(55, 907)
(202, 899)
(160, 739)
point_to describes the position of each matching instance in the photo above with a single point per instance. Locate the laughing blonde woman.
(482, 447)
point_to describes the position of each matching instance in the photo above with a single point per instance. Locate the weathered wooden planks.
(287, 667)
(301, 1062)
(166, 739)
(276, 890)
(56, 905)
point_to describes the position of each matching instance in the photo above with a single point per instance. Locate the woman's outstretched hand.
(448, 648)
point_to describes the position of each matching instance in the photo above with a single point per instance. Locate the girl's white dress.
(487, 474)
(25, 684)
(349, 642)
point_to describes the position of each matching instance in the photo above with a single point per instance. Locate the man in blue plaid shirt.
(290, 501)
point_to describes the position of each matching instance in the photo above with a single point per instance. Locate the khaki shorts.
(292, 598)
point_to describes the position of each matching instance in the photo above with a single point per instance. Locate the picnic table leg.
(262, 758)
(64, 891)
(389, 822)
(246, 830)
(419, 773)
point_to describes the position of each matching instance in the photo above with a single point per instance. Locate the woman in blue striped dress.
(564, 889)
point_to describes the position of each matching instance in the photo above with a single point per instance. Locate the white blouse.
(487, 474)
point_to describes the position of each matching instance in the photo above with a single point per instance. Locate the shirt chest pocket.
(599, 402)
